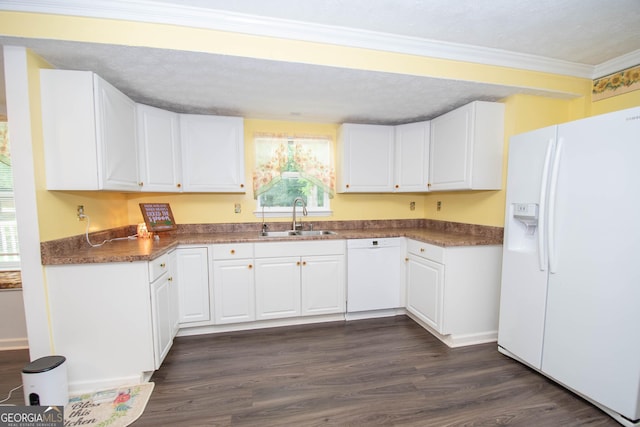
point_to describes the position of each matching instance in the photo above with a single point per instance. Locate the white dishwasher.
(373, 274)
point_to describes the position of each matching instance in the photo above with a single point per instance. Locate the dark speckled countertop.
(75, 250)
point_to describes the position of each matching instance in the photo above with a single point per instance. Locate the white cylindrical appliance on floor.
(45, 382)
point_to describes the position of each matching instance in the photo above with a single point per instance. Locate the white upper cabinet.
(159, 149)
(467, 148)
(412, 157)
(212, 153)
(89, 130)
(365, 158)
(383, 159)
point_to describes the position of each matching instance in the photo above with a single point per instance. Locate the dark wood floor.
(380, 372)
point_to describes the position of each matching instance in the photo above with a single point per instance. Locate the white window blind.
(9, 252)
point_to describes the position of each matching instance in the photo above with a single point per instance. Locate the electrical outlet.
(80, 213)
(237, 208)
(412, 206)
(438, 205)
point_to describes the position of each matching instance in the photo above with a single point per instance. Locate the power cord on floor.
(9, 396)
(95, 245)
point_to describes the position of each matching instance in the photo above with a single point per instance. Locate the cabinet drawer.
(425, 250)
(233, 251)
(304, 248)
(158, 267)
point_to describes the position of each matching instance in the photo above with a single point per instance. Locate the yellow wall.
(615, 103)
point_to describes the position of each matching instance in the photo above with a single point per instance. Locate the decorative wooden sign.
(158, 216)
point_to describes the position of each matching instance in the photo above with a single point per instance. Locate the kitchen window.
(9, 256)
(293, 166)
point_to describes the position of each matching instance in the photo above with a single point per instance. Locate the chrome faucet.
(264, 224)
(294, 225)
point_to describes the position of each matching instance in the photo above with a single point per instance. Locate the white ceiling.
(574, 37)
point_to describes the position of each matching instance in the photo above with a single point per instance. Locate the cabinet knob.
(397, 186)
(429, 184)
(170, 279)
(304, 262)
(421, 249)
(347, 185)
(179, 185)
(298, 263)
(233, 251)
(250, 266)
(241, 185)
(406, 260)
(140, 184)
(163, 265)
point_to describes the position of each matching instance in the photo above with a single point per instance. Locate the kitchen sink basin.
(315, 233)
(301, 233)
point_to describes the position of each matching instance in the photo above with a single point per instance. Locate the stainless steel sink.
(315, 233)
(301, 233)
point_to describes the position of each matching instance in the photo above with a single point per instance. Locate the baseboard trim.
(260, 324)
(14, 344)
(459, 340)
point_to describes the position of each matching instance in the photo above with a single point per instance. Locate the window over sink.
(287, 167)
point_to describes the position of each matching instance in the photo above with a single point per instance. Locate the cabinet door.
(159, 149)
(174, 293)
(193, 285)
(450, 151)
(425, 286)
(68, 126)
(412, 157)
(323, 284)
(234, 291)
(116, 138)
(366, 158)
(161, 311)
(212, 153)
(277, 287)
(466, 148)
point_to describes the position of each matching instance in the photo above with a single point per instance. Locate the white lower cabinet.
(277, 287)
(192, 271)
(174, 292)
(299, 278)
(425, 286)
(233, 283)
(101, 321)
(322, 285)
(455, 291)
(162, 312)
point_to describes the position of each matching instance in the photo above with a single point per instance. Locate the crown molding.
(622, 62)
(196, 17)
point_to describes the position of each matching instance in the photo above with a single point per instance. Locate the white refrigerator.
(570, 296)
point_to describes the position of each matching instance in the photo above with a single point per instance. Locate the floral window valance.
(308, 156)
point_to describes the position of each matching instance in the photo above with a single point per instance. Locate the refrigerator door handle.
(555, 170)
(542, 224)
